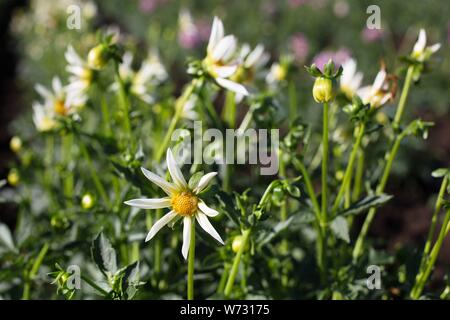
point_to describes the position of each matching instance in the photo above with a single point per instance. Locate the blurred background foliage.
(36, 35)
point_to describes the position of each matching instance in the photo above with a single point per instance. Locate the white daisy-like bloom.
(420, 51)
(351, 79)
(81, 78)
(189, 112)
(151, 73)
(378, 93)
(220, 61)
(253, 62)
(55, 104)
(276, 74)
(184, 203)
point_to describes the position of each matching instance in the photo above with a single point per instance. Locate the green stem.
(229, 111)
(67, 142)
(123, 101)
(404, 96)
(236, 262)
(292, 91)
(95, 178)
(349, 169)
(191, 262)
(319, 225)
(229, 115)
(423, 277)
(380, 188)
(223, 278)
(106, 116)
(309, 187)
(33, 271)
(391, 155)
(179, 105)
(325, 164)
(437, 209)
(94, 285)
(359, 176)
(282, 175)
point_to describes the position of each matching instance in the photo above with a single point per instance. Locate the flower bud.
(87, 201)
(15, 144)
(237, 243)
(323, 90)
(13, 177)
(98, 57)
(279, 72)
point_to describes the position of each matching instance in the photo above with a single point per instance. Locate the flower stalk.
(191, 263)
(235, 266)
(387, 168)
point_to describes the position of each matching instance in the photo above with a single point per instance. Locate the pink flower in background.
(300, 46)
(297, 3)
(149, 6)
(341, 8)
(338, 57)
(192, 33)
(448, 33)
(371, 35)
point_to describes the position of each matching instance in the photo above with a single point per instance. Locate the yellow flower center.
(348, 91)
(184, 203)
(59, 107)
(86, 76)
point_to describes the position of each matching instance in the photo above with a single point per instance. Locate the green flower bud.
(13, 177)
(87, 201)
(323, 90)
(98, 57)
(15, 144)
(237, 243)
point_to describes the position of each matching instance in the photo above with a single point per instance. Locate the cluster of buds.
(323, 91)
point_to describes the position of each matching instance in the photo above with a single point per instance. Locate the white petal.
(207, 226)
(225, 71)
(385, 99)
(168, 187)
(187, 223)
(72, 57)
(254, 56)
(232, 86)
(225, 48)
(421, 41)
(204, 181)
(216, 35)
(159, 224)
(56, 84)
(435, 47)
(149, 203)
(207, 210)
(379, 81)
(349, 69)
(175, 171)
(43, 91)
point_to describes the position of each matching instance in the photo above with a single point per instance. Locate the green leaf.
(104, 255)
(365, 204)
(339, 226)
(313, 70)
(228, 207)
(439, 173)
(130, 280)
(195, 179)
(268, 236)
(6, 238)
